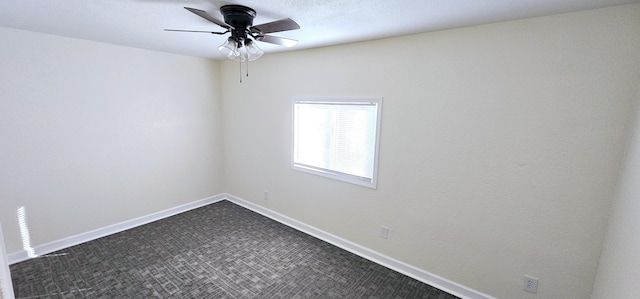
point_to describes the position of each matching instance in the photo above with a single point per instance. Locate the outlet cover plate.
(530, 284)
(384, 232)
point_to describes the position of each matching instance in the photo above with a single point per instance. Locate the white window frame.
(373, 181)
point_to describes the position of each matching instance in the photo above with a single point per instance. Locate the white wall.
(6, 287)
(94, 134)
(500, 147)
(619, 267)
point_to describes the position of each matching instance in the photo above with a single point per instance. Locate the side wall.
(500, 149)
(620, 262)
(95, 134)
(6, 287)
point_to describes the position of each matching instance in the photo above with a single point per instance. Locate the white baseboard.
(376, 257)
(43, 249)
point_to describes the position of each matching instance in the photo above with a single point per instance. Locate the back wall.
(500, 145)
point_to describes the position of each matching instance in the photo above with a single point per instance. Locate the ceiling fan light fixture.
(238, 20)
(253, 51)
(229, 48)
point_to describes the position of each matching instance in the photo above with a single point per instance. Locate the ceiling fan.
(238, 20)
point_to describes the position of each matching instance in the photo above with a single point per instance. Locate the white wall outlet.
(384, 232)
(530, 284)
(266, 195)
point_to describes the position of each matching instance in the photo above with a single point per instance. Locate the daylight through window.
(337, 138)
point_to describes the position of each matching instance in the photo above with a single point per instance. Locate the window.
(337, 138)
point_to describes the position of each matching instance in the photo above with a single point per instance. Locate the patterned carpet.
(221, 250)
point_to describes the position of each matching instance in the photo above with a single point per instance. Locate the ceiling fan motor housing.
(240, 17)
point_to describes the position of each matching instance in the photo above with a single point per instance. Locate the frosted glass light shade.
(229, 48)
(253, 51)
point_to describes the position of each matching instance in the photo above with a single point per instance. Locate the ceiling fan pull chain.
(240, 61)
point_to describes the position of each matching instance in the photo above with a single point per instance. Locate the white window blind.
(337, 138)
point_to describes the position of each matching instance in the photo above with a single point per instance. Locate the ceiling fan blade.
(276, 26)
(209, 17)
(180, 30)
(287, 42)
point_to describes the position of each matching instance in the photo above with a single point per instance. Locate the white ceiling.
(140, 23)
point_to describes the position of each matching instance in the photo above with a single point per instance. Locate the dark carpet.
(221, 250)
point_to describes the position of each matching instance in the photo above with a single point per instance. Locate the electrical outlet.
(266, 195)
(384, 232)
(530, 284)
